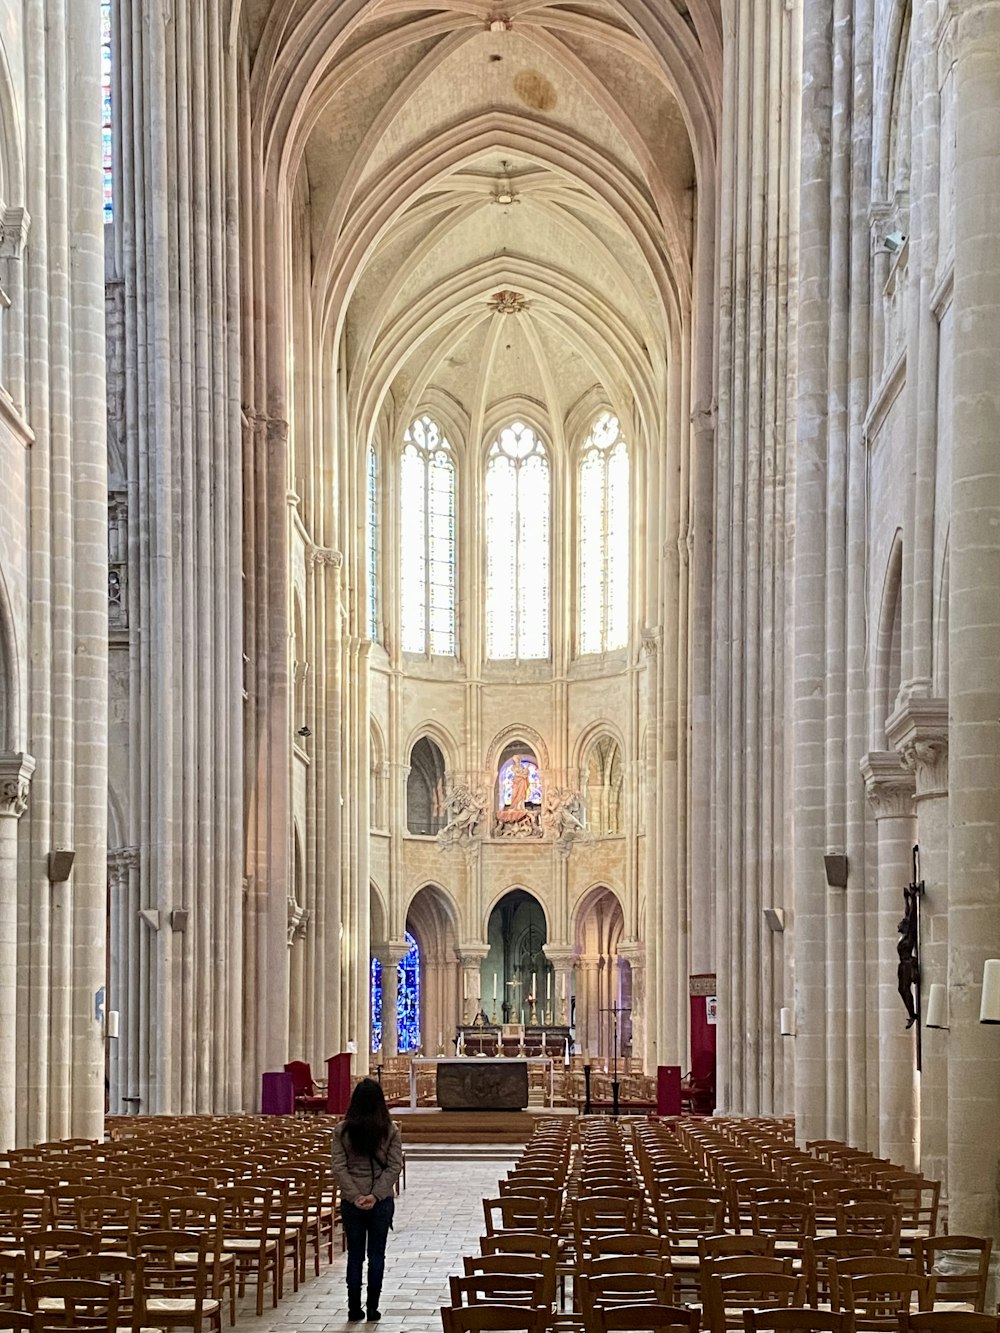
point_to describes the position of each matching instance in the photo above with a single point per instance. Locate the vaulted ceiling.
(502, 199)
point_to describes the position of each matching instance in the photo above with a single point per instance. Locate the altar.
(477, 1082)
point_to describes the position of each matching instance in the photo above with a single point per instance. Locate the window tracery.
(517, 545)
(427, 540)
(107, 137)
(604, 538)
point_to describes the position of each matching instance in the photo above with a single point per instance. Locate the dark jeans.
(371, 1227)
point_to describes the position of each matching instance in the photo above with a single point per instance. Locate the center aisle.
(439, 1217)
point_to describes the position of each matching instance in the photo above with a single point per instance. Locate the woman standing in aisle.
(367, 1160)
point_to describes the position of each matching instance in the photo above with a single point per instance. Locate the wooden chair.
(877, 1265)
(71, 1302)
(870, 1217)
(795, 1319)
(875, 1302)
(728, 1295)
(11, 1281)
(123, 1270)
(16, 1321)
(202, 1215)
(493, 1319)
(43, 1250)
(246, 1235)
(819, 1251)
(967, 1287)
(949, 1321)
(621, 1289)
(514, 1265)
(176, 1277)
(112, 1217)
(515, 1213)
(500, 1289)
(550, 1195)
(521, 1242)
(646, 1318)
(308, 1096)
(288, 1236)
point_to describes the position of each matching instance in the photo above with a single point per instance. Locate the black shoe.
(374, 1313)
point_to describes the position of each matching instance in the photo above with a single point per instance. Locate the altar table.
(464, 1074)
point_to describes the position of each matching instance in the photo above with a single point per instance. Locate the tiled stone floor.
(439, 1217)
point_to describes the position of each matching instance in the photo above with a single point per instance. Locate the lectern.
(338, 1083)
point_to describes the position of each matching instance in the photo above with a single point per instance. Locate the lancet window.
(107, 137)
(517, 545)
(427, 540)
(604, 538)
(407, 999)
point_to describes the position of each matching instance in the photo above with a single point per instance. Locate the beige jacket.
(357, 1174)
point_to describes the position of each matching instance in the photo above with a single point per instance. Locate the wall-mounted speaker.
(836, 870)
(61, 864)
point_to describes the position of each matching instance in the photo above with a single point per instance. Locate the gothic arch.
(532, 892)
(431, 916)
(599, 917)
(516, 732)
(11, 140)
(11, 733)
(442, 738)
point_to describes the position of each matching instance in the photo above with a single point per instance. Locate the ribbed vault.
(557, 154)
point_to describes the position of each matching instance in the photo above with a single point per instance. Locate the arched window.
(372, 517)
(517, 545)
(529, 786)
(426, 802)
(427, 541)
(604, 786)
(604, 538)
(407, 999)
(107, 137)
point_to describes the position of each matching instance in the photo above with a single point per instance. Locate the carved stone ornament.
(466, 805)
(507, 302)
(325, 557)
(888, 786)
(919, 731)
(564, 818)
(15, 783)
(123, 859)
(298, 921)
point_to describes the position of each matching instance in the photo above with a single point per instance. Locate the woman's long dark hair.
(367, 1122)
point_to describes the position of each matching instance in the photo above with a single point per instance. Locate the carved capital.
(298, 921)
(15, 783)
(919, 731)
(324, 557)
(889, 787)
(633, 952)
(14, 232)
(123, 859)
(392, 953)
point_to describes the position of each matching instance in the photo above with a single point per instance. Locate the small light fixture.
(775, 918)
(786, 1023)
(112, 1025)
(937, 1006)
(989, 1009)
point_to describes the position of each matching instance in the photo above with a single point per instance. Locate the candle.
(465, 984)
(548, 987)
(564, 986)
(534, 992)
(566, 1055)
(543, 1041)
(439, 1037)
(494, 988)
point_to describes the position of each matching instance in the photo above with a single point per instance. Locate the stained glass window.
(517, 545)
(604, 538)
(427, 541)
(372, 533)
(408, 999)
(107, 140)
(506, 784)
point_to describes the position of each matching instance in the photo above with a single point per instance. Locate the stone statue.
(564, 817)
(520, 784)
(467, 805)
(908, 971)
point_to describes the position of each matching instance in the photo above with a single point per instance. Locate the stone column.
(588, 1018)
(390, 956)
(15, 782)
(561, 957)
(974, 629)
(634, 953)
(470, 957)
(890, 790)
(919, 731)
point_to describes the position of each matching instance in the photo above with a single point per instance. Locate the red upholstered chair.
(306, 1096)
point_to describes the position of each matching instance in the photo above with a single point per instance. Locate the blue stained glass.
(506, 785)
(107, 135)
(407, 999)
